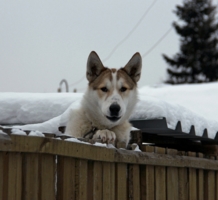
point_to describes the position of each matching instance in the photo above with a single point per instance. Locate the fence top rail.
(27, 144)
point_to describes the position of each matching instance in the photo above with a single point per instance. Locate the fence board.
(82, 151)
(90, 180)
(65, 178)
(121, 181)
(192, 180)
(31, 175)
(136, 182)
(108, 181)
(83, 173)
(210, 182)
(47, 179)
(160, 178)
(200, 181)
(216, 189)
(183, 184)
(150, 179)
(143, 182)
(1, 174)
(172, 179)
(98, 184)
(15, 176)
(4, 175)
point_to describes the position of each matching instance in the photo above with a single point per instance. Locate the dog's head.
(112, 93)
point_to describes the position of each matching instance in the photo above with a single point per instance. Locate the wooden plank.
(65, 178)
(47, 179)
(31, 177)
(200, 181)
(160, 178)
(192, 180)
(78, 150)
(83, 174)
(142, 182)
(121, 179)
(90, 180)
(98, 183)
(108, 181)
(216, 187)
(136, 182)
(210, 185)
(172, 179)
(183, 184)
(3, 175)
(15, 176)
(150, 178)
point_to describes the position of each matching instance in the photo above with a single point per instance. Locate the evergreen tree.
(197, 60)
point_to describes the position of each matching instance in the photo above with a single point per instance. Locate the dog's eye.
(104, 89)
(123, 89)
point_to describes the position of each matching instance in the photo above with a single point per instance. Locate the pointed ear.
(94, 66)
(133, 67)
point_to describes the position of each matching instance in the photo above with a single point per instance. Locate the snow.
(36, 133)
(16, 131)
(31, 108)
(191, 104)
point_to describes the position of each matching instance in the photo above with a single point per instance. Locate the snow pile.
(31, 108)
(191, 104)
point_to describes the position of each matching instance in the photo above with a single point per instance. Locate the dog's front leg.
(105, 135)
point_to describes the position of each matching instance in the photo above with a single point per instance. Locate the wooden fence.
(33, 168)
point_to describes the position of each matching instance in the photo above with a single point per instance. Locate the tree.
(197, 60)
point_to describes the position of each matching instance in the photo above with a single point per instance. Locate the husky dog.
(108, 102)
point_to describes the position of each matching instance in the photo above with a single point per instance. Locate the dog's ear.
(94, 66)
(134, 66)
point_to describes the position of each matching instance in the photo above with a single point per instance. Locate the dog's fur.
(108, 102)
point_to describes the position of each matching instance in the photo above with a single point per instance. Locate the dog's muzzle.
(114, 112)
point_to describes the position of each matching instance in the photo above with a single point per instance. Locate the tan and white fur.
(108, 102)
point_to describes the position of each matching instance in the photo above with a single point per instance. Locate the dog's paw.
(105, 135)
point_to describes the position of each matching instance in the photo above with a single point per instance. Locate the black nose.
(114, 109)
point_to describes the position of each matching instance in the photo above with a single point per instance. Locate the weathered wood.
(210, 185)
(149, 181)
(83, 170)
(108, 181)
(160, 178)
(65, 178)
(136, 182)
(4, 159)
(90, 178)
(192, 180)
(1, 174)
(200, 181)
(15, 176)
(121, 180)
(172, 179)
(216, 187)
(31, 177)
(183, 184)
(77, 150)
(47, 179)
(98, 184)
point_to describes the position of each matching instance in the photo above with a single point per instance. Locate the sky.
(43, 42)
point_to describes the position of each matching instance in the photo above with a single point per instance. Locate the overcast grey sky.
(42, 43)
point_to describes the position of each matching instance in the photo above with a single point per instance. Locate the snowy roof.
(190, 104)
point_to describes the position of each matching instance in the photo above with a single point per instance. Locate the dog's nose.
(114, 109)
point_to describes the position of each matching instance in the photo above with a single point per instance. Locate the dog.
(108, 101)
